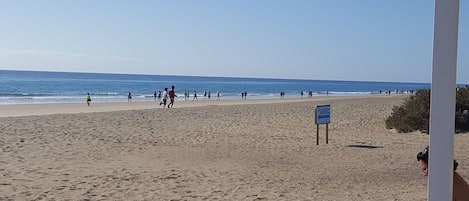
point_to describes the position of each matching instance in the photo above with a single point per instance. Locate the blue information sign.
(323, 114)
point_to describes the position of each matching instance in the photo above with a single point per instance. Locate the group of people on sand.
(165, 96)
(207, 95)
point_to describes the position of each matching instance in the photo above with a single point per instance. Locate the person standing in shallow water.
(88, 99)
(460, 186)
(195, 96)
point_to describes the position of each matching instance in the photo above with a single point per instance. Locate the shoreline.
(18, 110)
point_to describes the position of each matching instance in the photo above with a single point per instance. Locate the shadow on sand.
(364, 146)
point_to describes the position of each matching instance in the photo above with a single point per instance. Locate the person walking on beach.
(154, 95)
(88, 99)
(172, 94)
(129, 97)
(165, 97)
(195, 96)
(460, 187)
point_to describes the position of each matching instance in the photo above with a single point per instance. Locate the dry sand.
(209, 150)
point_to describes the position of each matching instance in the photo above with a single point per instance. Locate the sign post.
(322, 116)
(317, 134)
(327, 133)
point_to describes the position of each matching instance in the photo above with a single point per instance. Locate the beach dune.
(226, 150)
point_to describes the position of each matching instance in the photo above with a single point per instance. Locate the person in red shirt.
(172, 94)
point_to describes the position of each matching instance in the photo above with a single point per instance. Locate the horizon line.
(211, 76)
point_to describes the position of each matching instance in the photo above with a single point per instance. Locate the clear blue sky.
(365, 40)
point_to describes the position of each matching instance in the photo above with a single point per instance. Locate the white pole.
(443, 100)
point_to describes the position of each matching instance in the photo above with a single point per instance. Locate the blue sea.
(33, 87)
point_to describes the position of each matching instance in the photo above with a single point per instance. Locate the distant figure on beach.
(460, 187)
(282, 94)
(172, 94)
(88, 99)
(244, 95)
(155, 95)
(209, 95)
(218, 96)
(186, 95)
(129, 97)
(195, 96)
(165, 97)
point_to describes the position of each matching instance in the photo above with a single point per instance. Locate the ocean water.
(33, 87)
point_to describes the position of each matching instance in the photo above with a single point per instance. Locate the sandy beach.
(212, 150)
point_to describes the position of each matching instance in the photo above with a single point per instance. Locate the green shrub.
(414, 113)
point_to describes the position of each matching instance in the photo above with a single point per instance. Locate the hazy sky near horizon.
(363, 40)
